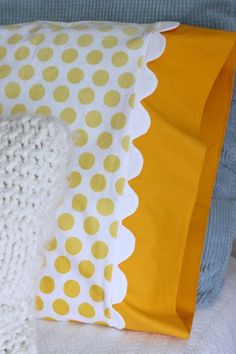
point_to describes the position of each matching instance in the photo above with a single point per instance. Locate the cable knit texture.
(34, 153)
(205, 13)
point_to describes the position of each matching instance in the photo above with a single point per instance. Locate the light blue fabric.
(206, 13)
(222, 221)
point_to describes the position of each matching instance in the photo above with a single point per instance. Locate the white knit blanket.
(34, 153)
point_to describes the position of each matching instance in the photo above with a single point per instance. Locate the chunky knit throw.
(34, 153)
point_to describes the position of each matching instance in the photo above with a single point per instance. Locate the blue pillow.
(206, 13)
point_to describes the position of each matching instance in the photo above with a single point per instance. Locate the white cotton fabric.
(34, 153)
(214, 331)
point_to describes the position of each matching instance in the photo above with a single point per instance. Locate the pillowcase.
(94, 74)
(34, 153)
(221, 225)
(88, 75)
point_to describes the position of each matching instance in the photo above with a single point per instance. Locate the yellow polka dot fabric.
(87, 74)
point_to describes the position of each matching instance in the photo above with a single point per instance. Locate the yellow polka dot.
(52, 244)
(86, 160)
(73, 245)
(75, 322)
(50, 74)
(1, 108)
(93, 119)
(80, 26)
(120, 183)
(140, 62)
(101, 323)
(107, 313)
(47, 285)
(111, 163)
(106, 28)
(62, 264)
(132, 100)
(34, 29)
(3, 52)
(46, 318)
(112, 98)
(18, 109)
(61, 39)
(45, 54)
(71, 288)
(86, 268)
(75, 75)
(125, 142)
(109, 42)
(69, 55)
(135, 43)
(55, 27)
(65, 222)
(100, 78)
(4, 71)
(26, 72)
(99, 249)
(86, 310)
(94, 57)
(130, 30)
(22, 53)
(96, 292)
(85, 40)
(119, 59)
(61, 93)
(79, 202)
(74, 179)
(12, 90)
(108, 272)
(126, 80)
(44, 110)
(98, 183)
(68, 115)
(104, 140)
(37, 38)
(113, 229)
(39, 303)
(60, 306)
(15, 39)
(86, 95)
(79, 137)
(105, 206)
(13, 27)
(91, 225)
(118, 121)
(37, 92)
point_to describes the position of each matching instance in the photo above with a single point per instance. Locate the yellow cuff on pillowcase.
(181, 151)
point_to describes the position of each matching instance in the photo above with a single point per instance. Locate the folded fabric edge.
(213, 140)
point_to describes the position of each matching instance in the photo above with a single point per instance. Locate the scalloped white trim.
(140, 125)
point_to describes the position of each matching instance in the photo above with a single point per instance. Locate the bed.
(214, 331)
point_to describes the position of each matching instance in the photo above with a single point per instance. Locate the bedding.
(214, 331)
(94, 76)
(34, 153)
(205, 13)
